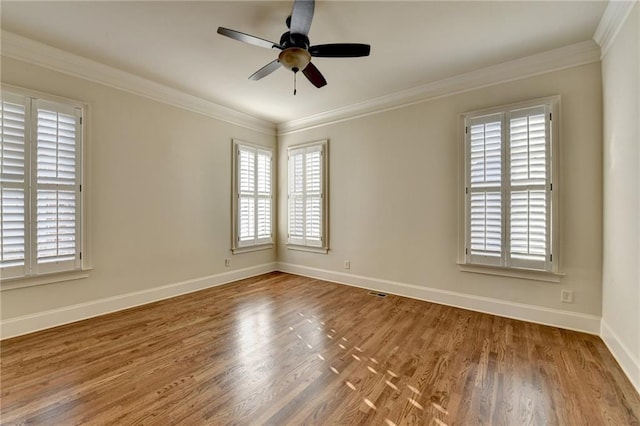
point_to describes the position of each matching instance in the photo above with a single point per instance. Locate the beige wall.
(621, 264)
(159, 196)
(160, 191)
(394, 200)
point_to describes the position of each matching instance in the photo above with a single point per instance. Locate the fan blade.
(314, 76)
(266, 70)
(246, 38)
(301, 16)
(340, 50)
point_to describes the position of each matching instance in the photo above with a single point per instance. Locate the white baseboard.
(570, 320)
(536, 314)
(29, 323)
(629, 363)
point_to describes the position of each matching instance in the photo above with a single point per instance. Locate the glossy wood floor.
(286, 350)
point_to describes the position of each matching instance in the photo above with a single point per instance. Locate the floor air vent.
(377, 294)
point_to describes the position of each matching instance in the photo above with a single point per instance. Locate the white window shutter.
(529, 148)
(13, 140)
(486, 224)
(485, 138)
(57, 197)
(528, 225)
(484, 196)
(40, 165)
(264, 197)
(307, 203)
(13, 227)
(246, 170)
(253, 193)
(313, 199)
(296, 197)
(14, 256)
(246, 212)
(508, 187)
(246, 195)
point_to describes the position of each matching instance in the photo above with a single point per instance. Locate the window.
(40, 162)
(306, 197)
(253, 199)
(510, 200)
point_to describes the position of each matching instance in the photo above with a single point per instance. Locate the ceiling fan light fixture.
(296, 50)
(294, 58)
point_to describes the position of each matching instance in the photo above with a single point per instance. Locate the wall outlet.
(566, 296)
(347, 264)
(227, 262)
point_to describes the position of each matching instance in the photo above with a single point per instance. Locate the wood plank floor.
(286, 350)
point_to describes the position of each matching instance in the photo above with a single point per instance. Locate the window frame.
(238, 246)
(506, 265)
(303, 244)
(32, 272)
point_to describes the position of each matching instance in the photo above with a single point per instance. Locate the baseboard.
(570, 320)
(629, 363)
(536, 314)
(39, 321)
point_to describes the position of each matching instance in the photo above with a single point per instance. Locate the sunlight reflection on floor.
(415, 392)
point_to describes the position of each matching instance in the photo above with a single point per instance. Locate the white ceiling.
(412, 43)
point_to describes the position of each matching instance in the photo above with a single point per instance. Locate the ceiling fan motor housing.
(295, 55)
(289, 39)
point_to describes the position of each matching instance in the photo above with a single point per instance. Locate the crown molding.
(30, 51)
(26, 50)
(553, 60)
(612, 20)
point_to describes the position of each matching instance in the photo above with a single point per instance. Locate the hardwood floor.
(286, 350)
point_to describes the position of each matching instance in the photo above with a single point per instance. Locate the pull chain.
(295, 90)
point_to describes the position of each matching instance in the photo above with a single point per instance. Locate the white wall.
(394, 198)
(621, 168)
(160, 194)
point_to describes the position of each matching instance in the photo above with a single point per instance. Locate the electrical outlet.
(347, 264)
(227, 262)
(566, 296)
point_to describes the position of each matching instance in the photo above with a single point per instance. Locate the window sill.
(248, 249)
(56, 277)
(321, 250)
(525, 274)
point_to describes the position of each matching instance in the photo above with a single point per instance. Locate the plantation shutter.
(14, 253)
(313, 196)
(306, 195)
(296, 197)
(529, 187)
(254, 207)
(246, 195)
(40, 203)
(484, 195)
(508, 187)
(263, 197)
(57, 194)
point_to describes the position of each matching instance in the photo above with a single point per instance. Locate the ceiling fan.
(296, 52)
